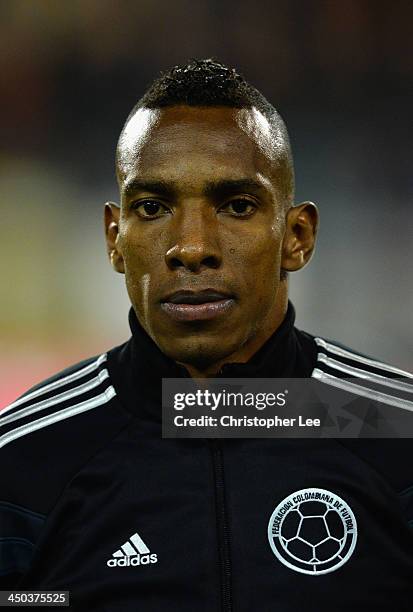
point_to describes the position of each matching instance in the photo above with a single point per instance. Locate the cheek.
(140, 261)
(260, 256)
(258, 262)
(139, 253)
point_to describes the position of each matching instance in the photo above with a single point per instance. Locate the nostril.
(211, 262)
(174, 262)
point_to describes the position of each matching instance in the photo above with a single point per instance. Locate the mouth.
(197, 305)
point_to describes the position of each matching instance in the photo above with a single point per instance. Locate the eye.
(240, 207)
(150, 209)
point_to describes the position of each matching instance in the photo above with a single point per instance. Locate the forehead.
(191, 143)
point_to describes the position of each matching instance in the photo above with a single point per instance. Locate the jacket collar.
(276, 358)
(138, 366)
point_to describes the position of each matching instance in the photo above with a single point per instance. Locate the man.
(94, 500)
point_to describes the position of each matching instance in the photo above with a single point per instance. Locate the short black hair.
(204, 82)
(208, 82)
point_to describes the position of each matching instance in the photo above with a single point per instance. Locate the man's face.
(200, 231)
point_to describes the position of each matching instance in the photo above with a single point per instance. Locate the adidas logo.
(133, 552)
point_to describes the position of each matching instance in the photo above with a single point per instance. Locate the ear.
(300, 236)
(112, 213)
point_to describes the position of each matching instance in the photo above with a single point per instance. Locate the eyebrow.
(212, 189)
(227, 187)
(159, 187)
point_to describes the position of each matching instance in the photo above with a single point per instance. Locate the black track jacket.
(94, 501)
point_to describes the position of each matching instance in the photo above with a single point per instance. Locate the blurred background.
(339, 72)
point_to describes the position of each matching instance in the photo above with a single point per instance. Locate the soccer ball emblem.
(313, 531)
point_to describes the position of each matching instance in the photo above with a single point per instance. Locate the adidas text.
(135, 560)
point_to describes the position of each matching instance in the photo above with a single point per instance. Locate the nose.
(195, 242)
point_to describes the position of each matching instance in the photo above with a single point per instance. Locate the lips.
(196, 297)
(202, 305)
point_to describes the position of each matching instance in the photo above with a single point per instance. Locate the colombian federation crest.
(313, 531)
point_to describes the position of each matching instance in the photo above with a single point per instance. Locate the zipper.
(222, 526)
